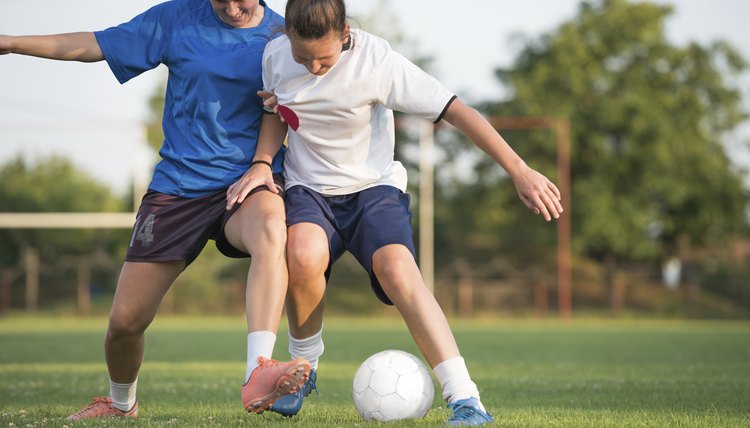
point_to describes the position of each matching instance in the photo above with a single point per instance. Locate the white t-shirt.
(345, 139)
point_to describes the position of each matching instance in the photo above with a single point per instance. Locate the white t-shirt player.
(344, 138)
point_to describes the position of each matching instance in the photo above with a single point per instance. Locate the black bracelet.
(255, 162)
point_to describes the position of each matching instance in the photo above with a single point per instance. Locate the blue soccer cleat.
(466, 412)
(290, 405)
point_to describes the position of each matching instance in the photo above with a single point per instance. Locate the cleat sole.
(287, 384)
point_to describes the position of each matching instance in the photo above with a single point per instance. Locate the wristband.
(255, 162)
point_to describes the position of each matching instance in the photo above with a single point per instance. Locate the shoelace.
(307, 388)
(310, 389)
(462, 412)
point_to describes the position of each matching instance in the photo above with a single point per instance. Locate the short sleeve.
(136, 46)
(408, 89)
(267, 84)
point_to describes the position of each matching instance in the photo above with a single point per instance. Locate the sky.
(80, 110)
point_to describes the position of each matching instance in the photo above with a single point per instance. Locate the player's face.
(237, 13)
(319, 55)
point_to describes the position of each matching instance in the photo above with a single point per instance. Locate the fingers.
(557, 199)
(556, 191)
(238, 192)
(531, 205)
(269, 100)
(547, 204)
(235, 195)
(265, 95)
(541, 196)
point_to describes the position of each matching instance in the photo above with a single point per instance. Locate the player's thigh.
(259, 224)
(308, 252)
(140, 289)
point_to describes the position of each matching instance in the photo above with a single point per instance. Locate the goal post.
(561, 128)
(141, 172)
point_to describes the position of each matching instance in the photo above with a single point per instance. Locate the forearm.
(271, 137)
(81, 46)
(472, 124)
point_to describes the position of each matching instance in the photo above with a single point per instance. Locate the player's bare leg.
(140, 290)
(139, 293)
(259, 229)
(402, 282)
(307, 253)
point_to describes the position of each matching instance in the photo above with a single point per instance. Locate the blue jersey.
(212, 114)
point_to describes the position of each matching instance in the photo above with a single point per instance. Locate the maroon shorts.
(169, 228)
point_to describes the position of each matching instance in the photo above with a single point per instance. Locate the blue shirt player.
(211, 121)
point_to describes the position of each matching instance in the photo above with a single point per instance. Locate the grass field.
(584, 373)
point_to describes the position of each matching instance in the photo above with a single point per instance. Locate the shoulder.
(273, 17)
(370, 43)
(278, 45)
(177, 6)
(177, 11)
(369, 47)
(273, 23)
(370, 52)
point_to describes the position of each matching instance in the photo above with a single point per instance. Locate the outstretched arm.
(272, 134)
(81, 47)
(537, 192)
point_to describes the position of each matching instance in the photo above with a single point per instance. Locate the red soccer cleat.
(101, 407)
(272, 380)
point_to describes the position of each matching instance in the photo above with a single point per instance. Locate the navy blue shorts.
(171, 228)
(360, 223)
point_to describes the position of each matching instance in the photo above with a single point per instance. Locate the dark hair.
(314, 19)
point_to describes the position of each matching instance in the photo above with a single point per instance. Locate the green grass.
(585, 373)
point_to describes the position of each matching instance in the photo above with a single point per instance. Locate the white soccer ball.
(392, 385)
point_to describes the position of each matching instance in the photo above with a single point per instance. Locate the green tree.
(651, 177)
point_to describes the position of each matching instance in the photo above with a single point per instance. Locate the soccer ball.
(392, 385)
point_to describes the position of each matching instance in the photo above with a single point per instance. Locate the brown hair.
(314, 19)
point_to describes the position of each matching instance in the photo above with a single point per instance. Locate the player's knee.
(269, 239)
(305, 262)
(125, 324)
(394, 279)
(275, 231)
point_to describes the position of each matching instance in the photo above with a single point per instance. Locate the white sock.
(310, 348)
(455, 381)
(259, 344)
(123, 394)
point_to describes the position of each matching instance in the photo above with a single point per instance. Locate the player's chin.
(321, 72)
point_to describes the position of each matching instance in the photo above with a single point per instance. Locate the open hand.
(258, 175)
(538, 193)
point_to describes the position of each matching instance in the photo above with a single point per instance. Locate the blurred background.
(641, 107)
